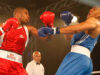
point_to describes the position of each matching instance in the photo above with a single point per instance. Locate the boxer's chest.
(16, 34)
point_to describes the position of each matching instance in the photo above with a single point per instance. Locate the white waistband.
(81, 50)
(10, 56)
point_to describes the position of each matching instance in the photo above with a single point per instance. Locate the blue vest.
(84, 40)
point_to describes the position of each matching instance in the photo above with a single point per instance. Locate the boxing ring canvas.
(53, 50)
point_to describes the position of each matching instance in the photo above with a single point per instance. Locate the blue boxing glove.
(67, 17)
(44, 31)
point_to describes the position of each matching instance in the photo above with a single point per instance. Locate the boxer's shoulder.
(92, 20)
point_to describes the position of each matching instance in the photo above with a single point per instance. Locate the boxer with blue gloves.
(86, 34)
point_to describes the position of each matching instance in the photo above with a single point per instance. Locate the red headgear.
(48, 18)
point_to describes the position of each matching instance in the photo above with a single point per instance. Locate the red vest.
(15, 40)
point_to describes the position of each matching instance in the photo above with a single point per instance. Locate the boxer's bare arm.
(34, 32)
(1, 24)
(90, 23)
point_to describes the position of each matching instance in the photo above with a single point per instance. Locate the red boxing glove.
(11, 23)
(48, 18)
(0, 33)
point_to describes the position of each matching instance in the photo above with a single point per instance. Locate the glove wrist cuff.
(56, 30)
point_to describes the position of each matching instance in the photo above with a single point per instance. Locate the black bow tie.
(37, 63)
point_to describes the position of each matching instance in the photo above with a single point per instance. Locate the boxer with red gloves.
(14, 42)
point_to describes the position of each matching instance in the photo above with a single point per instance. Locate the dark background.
(52, 50)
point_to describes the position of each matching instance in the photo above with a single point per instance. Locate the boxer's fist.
(11, 23)
(48, 18)
(44, 31)
(1, 33)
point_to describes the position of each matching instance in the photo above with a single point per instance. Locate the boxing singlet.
(15, 40)
(84, 40)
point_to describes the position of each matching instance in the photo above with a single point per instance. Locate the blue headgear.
(66, 16)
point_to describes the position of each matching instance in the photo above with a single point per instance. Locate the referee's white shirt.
(33, 68)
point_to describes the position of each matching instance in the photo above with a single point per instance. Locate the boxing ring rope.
(90, 2)
(95, 72)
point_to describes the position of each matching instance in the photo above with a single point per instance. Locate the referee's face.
(37, 57)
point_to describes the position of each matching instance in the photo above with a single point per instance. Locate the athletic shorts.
(8, 67)
(75, 64)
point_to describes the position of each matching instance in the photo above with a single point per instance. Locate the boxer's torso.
(15, 40)
(84, 40)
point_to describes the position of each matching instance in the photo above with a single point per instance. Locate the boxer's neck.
(98, 18)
